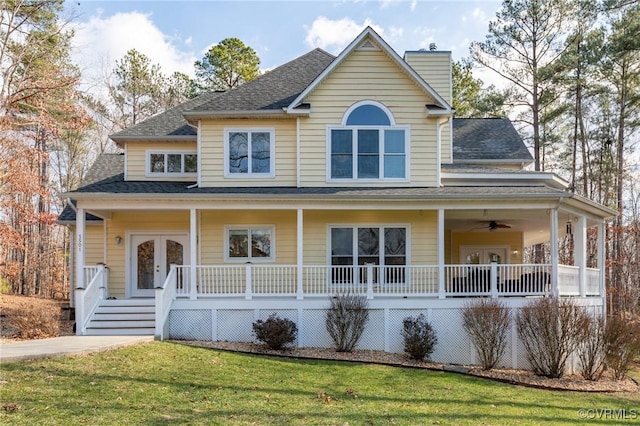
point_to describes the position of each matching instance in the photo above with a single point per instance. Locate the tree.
(525, 37)
(227, 65)
(37, 107)
(137, 91)
(470, 98)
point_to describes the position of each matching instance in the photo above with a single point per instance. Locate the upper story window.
(249, 152)
(172, 163)
(368, 145)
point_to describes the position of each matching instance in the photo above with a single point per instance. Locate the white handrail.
(89, 298)
(164, 297)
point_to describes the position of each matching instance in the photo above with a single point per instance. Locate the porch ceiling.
(534, 224)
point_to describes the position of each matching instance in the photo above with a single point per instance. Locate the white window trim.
(227, 258)
(149, 173)
(354, 129)
(353, 107)
(249, 174)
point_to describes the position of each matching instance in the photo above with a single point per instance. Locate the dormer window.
(172, 163)
(368, 146)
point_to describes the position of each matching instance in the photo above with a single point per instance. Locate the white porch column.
(300, 254)
(193, 253)
(441, 289)
(580, 253)
(80, 230)
(602, 265)
(555, 290)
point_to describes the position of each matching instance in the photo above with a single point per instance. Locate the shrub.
(33, 318)
(345, 320)
(275, 332)
(419, 337)
(592, 349)
(550, 330)
(487, 323)
(622, 343)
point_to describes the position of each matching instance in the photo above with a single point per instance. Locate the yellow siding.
(434, 68)
(123, 223)
(94, 244)
(213, 233)
(213, 153)
(137, 158)
(423, 226)
(368, 75)
(514, 240)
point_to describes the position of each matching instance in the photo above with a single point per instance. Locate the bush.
(32, 318)
(419, 337)
(592, 349)
(345, 320)
(550, 331)
(622, 343)
(275, 332)
(487, 323)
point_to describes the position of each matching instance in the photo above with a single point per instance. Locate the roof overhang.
(267, 113)
(161, 138)
(504, 179)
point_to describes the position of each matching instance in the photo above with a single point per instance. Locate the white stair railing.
(89, 298)
(164, 297)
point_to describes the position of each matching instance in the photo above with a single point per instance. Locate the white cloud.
(479, 16)
(414, 4)
(335, 35)
(99, 42)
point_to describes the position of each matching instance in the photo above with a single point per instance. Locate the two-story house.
(325, 175)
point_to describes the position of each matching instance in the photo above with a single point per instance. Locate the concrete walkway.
(65, 345)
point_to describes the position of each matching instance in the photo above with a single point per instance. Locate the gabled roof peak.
(369, 39)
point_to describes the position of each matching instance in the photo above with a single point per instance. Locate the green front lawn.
(164, 383)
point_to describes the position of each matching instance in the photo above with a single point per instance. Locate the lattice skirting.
(383, 330)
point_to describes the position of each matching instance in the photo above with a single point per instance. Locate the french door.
(151, 258)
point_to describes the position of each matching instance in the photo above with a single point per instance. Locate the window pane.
(368, 115)
(394, 166)
(368, 142)
(174, 163)
(368, 241)
(238, 152)
(190, 163)
(238, 243)
(394, 141)
(260, 243)
(157, 163)
(341, 142)
(260, 152)
(395, 240)
(341, 242)
(368, 166)
(341, 154)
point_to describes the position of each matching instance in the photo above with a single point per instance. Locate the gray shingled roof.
(484, 139)
(273, 90)
(168, 123)
(106, 176)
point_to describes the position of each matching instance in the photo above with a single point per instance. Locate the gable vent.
(367, 45)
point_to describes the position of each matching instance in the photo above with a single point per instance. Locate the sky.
(176, 33)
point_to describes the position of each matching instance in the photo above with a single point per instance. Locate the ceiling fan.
(492, 225)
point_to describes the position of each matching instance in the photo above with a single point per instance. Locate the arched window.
(368, 145)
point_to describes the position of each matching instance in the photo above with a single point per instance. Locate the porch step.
(123, 317)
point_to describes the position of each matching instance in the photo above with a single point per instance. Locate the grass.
(163, 383)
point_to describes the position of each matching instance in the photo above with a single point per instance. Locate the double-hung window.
(248, 244)
(172, 163)
(385, 247)
(249, 152)
(368, 146)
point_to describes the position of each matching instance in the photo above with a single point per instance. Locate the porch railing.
(88, 298)
(255, 280)
(164, 297)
